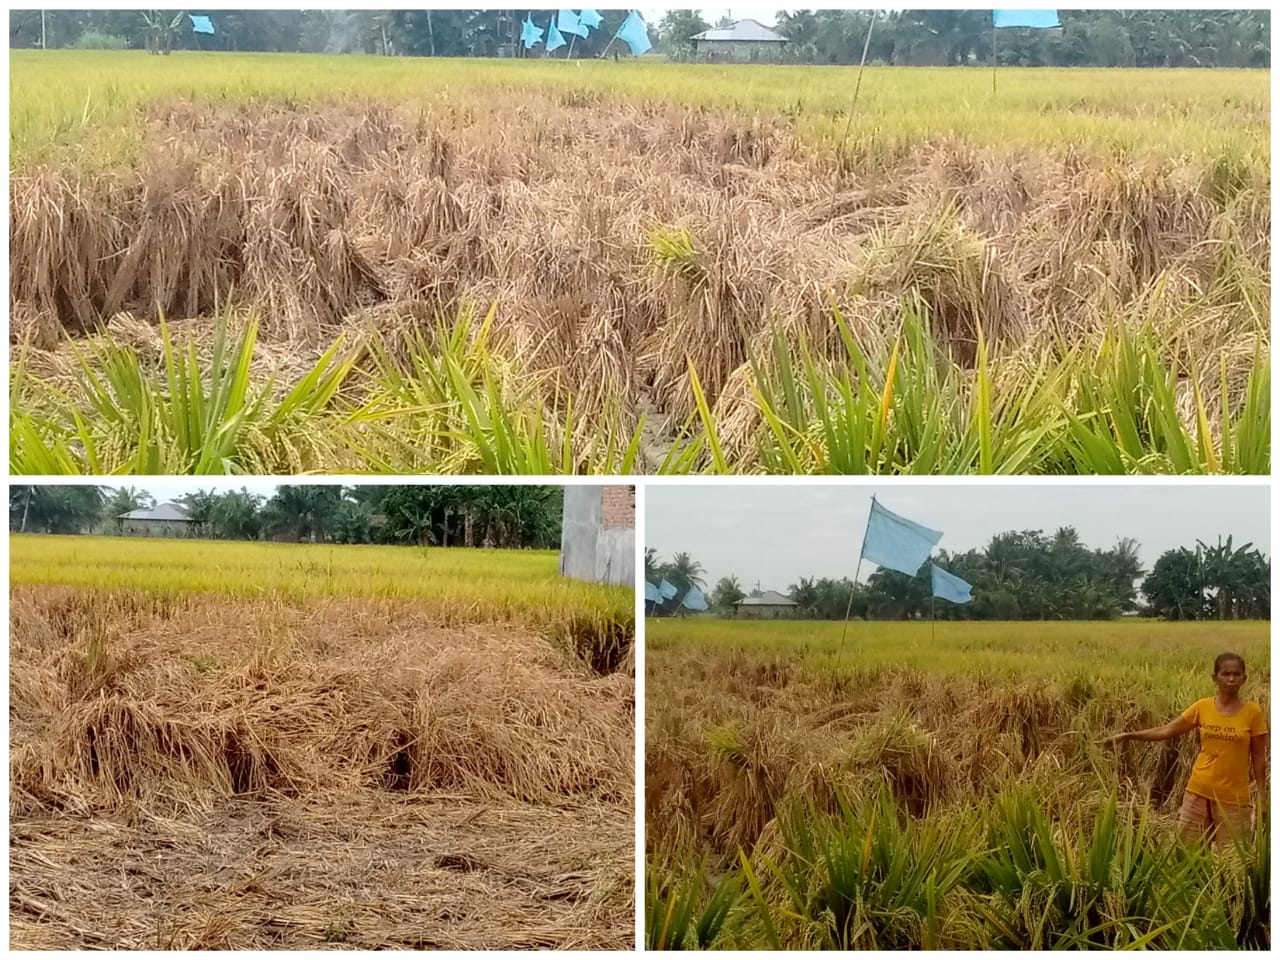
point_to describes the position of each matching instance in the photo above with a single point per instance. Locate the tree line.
(438, 514)
(1087, 38)
(1023, 575)
(1097, 38)
(419, 33)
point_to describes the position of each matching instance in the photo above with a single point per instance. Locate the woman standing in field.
(1233, 741)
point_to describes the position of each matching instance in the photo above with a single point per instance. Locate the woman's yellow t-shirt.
(1221, 772)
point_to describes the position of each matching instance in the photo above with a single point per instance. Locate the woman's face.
(1230, 676)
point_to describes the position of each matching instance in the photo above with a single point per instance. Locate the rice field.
(392, 265)
(282, 746)
(899, 792)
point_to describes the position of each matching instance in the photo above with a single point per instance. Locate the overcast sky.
(777, 534)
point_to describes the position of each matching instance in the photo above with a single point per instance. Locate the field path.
(438, 874)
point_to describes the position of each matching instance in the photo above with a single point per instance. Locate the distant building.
(163, 520)
(747, 41)
(767, 605)
(598, 534)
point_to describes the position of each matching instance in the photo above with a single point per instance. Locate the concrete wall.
(588, 549)
(766, 612)
(178, 529)
(745, 51)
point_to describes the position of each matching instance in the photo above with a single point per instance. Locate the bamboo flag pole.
(857, 573)
(993, 55)
(858, 86)
(615, 35)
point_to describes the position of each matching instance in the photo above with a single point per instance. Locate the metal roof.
(770, 598)
(163, 511)
(752, 30)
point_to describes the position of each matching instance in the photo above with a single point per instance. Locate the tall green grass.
(437, 401)
(1000, 876)
(87, 101)
(904, 405)
(444, 401)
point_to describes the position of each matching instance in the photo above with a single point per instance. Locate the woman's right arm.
(1170, 731)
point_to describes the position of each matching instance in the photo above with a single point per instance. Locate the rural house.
(769, 605)
(162, 520)
(747, 41)
(598, 534)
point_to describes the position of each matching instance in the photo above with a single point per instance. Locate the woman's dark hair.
(1222, 658)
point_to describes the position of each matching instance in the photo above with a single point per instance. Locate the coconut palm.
(684, 572)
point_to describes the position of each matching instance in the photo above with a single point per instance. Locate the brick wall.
(619, 508)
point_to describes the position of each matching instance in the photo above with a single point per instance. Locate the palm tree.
(652, 569)
(304, 509)
(684, 572)
(235, 515)
(805, 596)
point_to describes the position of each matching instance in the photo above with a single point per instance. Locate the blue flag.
(897, 543)
(634, 35)
(554, 40)
(1034, 19)
(667, 590)
(201, 24)
(531, 34)
(950, 587)
(651, 593)
(567, 22)
(589, 19)
(694, 599)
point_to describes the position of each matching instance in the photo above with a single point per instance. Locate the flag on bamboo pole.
(896, 542)
(651, 593)
(554, 40)
(634, 34)
(531, 35)
(567, 22)
(667, 590)
(947, 586)
(694, 600)
(1030, 19)
(201, 24)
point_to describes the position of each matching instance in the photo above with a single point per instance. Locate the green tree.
(684, 572)
(1175, 587)
(236, 515)
(304, 511)
(727, 592)
(60, 509)
(652, 565)
(1223, 569)
(676, 30)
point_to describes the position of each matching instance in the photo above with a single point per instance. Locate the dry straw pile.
(201, 772)
(628, 245)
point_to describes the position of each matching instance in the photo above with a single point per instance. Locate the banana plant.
(159, 34)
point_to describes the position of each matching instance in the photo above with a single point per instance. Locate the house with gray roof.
(747, 41)
(765, 605)
(162, 520)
